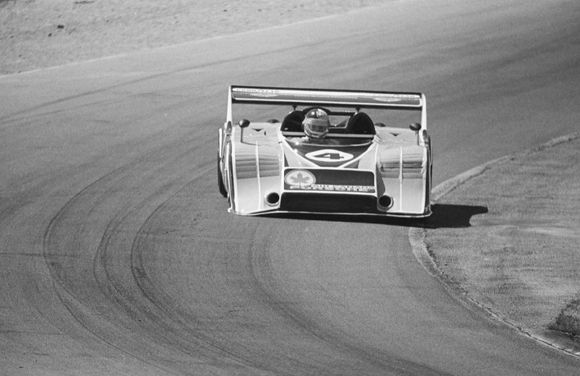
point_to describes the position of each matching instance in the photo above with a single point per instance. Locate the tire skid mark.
(79, 310)
(82, 311)
(162, 301)
(266, 283)
(81, 314)
(267, 294)
(151, 312)
(88, 200)
(189, 324)
(32, 118)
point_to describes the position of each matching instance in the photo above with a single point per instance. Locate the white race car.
(354, 164)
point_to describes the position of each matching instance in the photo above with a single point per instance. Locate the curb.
(426, 259)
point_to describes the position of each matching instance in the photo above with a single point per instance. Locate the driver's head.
(316, 123)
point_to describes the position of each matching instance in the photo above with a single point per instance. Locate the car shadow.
(453, 216)
(443, 216)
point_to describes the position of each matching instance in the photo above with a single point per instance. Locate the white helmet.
(316, 123)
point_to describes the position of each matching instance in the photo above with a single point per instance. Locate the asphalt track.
(118, 256)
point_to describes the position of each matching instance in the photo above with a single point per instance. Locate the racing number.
(328, 155)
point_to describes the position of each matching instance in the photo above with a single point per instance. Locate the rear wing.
(328, 97)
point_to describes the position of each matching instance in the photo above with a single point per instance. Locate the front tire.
(220, 177)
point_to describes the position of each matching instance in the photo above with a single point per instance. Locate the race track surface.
(118, 255)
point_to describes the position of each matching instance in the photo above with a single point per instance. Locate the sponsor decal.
(329, 155)
(299, 179)
(340, 188)
(409, 99)
(264, 93)
(387, 100)
(305, 180)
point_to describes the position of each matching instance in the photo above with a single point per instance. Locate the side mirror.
(415, 127)
(244, 123)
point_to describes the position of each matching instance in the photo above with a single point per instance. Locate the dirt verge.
(518, 258)
(37, 34)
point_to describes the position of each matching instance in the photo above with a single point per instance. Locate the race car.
(325, 151)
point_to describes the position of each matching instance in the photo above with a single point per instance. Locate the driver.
(316, 123)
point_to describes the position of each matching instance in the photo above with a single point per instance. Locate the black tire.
(221, 185)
